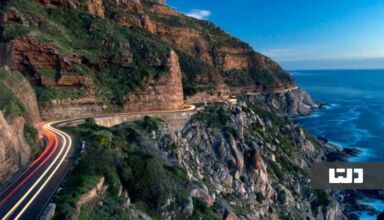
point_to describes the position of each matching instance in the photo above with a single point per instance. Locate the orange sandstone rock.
(165, 93)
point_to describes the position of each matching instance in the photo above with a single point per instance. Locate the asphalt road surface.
(26, 196)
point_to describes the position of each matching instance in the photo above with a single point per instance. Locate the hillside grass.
(118, 154)
(10, 105)
(117, 58)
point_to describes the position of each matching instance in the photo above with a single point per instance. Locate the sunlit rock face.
(164, 93)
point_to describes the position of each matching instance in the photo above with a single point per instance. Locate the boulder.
(202, 194)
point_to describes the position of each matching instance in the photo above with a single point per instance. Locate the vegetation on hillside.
(117, 58)
(124, 155)
(10, 105)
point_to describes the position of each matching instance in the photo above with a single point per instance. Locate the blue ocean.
(354, 114)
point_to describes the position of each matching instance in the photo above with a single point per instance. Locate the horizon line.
(335, 69)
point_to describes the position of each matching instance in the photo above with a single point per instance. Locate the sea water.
(354, 114)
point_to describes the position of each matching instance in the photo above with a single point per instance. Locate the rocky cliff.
(229, 162)
(255, 162)
(19, 122)
(114, 55)
(94, 56)
(14, 151)
(81, 66)
(22, 90)
(293, 102)
(165, 93)
(211, 58)
(88, 197)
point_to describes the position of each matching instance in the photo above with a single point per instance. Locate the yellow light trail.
(44, 174)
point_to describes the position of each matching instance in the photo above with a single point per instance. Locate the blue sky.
(301, 33)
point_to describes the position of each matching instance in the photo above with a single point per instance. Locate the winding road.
(29, 192)
(26, 196)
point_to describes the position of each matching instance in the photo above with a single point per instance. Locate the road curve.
(26, 196)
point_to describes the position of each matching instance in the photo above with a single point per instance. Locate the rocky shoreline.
(351, 200)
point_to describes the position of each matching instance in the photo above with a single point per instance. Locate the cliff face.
(257, 162)
(85, 64)
(220, 57)
(29, 55)
(18, 110)
(224, 59)
(165, 93)
(109, 55)
(294, 102)
(228, 162)
(14, 151)
(23, 91)
(91, 196)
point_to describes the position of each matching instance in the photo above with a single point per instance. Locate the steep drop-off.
(229, 162)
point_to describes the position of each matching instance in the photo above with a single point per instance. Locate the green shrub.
(14, 30)
(100, 43)
(10, 105)
(321, 198)
(214, 117)
(120, 154)
(30, 134)
(45, 94)
(148, 181)
(202, 211)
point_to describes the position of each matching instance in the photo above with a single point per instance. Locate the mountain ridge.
(212, 62)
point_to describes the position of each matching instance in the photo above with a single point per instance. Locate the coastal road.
(26, 196)
(28, 193)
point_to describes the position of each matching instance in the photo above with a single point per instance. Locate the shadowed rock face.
(29, 55)
(14, 151)
(22, 90)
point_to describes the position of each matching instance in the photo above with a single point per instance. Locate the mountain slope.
(98, 54)
(238, 162)
(94, 56)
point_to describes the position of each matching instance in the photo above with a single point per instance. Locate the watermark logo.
(346, 176)
(337, 175)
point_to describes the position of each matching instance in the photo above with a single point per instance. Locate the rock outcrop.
(89, 197)
(210, 59)
(22, 90)
(18, 103)
(229, 162)
(292, 102)
(96, 7)
(14, 151)
(236, 151)
(30, 56)
(164, 93)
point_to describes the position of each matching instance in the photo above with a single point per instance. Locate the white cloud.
(199, 14)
